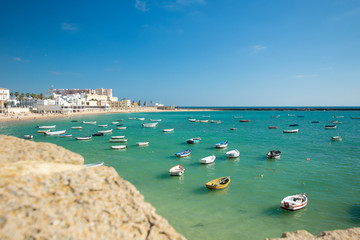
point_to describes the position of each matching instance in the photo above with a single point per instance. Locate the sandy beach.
(38, 116)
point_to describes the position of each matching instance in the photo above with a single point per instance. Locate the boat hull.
(219, 183)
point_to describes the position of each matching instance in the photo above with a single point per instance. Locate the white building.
(4, 94)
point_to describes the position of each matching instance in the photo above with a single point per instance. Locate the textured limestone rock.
(348, 234)
(13, 149)
(52, 200)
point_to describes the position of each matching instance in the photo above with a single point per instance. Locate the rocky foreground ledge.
(47, 193)
(348, 234)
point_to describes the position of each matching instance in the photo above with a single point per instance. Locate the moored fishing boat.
(120, 124)
(117, 137)
(338, 116)
(219, 183)
(274, 154)
(336, 138)
(222, 144)
(141, 119)
(65, 135)
(276, 116)
(168, 130)
(233, 153)
(208, 159)
(117, 147)
(330, 126)
(103, 125)
(192, 120)
(244, 120)
(204, 121)
(93, 122)
(193, 140)
(315, 122)
(106, 131)
(336, 122)
(177, 170)
(217, 121)
(74, 120)
(120, 120)
(273, 127)
(237, 116)
(28, 136)
(233, 129)
(46, 127)
(55, 133)
(291, 131)
(142, 144)
(118, 140)
(294, 202)
(206, 116)
(90, 165)
(355, 117)
(114, 123)
(150, 125)
(294, 125)
(131, 118)
(121, 128)
(183, 153)
(83, 138)
(155, 120)
(76, 127)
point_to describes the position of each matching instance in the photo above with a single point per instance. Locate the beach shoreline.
(44, 116)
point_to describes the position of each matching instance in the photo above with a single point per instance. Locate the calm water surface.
(249, 207)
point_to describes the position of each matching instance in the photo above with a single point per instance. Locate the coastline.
(40, 116)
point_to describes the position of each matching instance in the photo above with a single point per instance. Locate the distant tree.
(28, 95)
(41, 96)
(33, 95)
(11, 94)
(139, 103)
(51, 97)
(151, 103)
(17, 95)
(6, 103)
(133, 103)
(144, 103)
(22, 96)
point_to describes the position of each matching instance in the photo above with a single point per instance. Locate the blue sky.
(187, 52)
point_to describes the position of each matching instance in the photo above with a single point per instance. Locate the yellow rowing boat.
(218, 183)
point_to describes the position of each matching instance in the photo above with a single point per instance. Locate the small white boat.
(131, 118)
(118, 140)
(291, 115)
(141, 119)
(206, 116)
(192, 120)
(93, 122)
(193, 140)
(336, 138)
(55, 133)
(114, 122)
(330, 126)
(338, 116)
(117, 137)
(65, 135)
(105, 131)
(168, 130)
(43, 131)
(90, 165)
(222, 144)
(142, 143)
(155, 120)
(46, 127)
(184, 153)
(291, 131)
(294, 202)
(274, 154)
(208, 159)
(28, 136)
(233, 129)
(233, 154)
(83, 138)
(276, 116)
(103, 125)
(150, 125)
(217, 121)
(237, 116)
(121, 128)
(118, 147)
(177, 170)
(76, 127)
(204, 121)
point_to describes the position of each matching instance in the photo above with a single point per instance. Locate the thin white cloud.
(18, 59)
(141, 6)
(69, 27)
(178, 4)
(256, 49)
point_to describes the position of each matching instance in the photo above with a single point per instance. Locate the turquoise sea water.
(249, 207)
